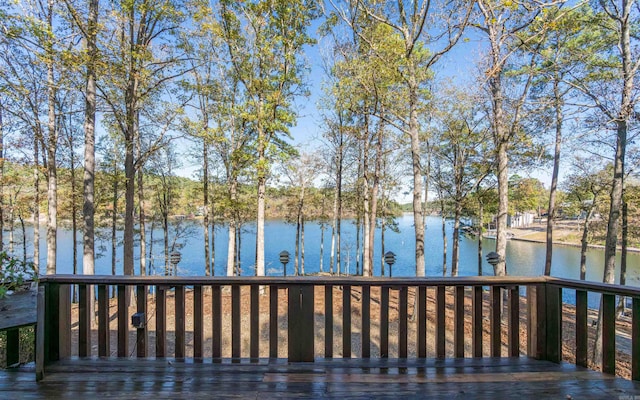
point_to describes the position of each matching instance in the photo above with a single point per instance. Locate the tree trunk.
(88, 206)
(52, 145)
(374, 194)
(358, 230)
(302, 246)
(36, 206)
(165, 236)
(12, 219)
(131, 113)
(501, 141)
(623, 255)
(141, 204)
(208, 270)
(456, 239)
(585, 243)
(114, 217)
(296, 261)
(339, 214)
(615, 205)
(151, 266)
(444, 237)
(238, 269)
(74, 214)
(480, 230)
(262, 190)
(335, 241)
(231, 244)
(322, 228)
(551, 212)
(414, 133)
(366, 203)
(24, 239)
(383, 228)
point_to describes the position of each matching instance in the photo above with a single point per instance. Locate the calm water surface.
(523, 258)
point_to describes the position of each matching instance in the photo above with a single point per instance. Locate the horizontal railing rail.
(397, 315)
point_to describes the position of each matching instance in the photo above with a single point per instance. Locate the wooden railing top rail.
(297, 280)
(606, 288)
(342, 280)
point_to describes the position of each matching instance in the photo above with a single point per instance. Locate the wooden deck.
(481, 378)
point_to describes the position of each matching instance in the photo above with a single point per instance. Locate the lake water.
(523, 258)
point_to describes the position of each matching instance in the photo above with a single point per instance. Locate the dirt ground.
(623, 347)
(566, 232)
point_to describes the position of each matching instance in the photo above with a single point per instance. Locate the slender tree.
(265, 40)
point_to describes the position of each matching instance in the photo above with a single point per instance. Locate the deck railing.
(533, 309)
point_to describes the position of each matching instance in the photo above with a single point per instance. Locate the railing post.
(40, 332)
(52, 323)
(301, 335)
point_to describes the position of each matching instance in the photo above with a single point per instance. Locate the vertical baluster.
(365, 306)
(103, 321)
(161, 321)
(235, 321)
(328, 321)
(384, 322)
(440, 318)
(198, 324)
(477, 321)
(496, 321)
(255, 322)
(458, 338)
(581, 328)
(273, 321)
(346, 321)
(422, 322)
(84, 321)
(635, 339)
(609, 334)
(123, 324)
(216, 322)
(533, 327)
(554, 323)
(142, 333)
(514, 322)
(180, 321)
(64, 308)
(402, 328)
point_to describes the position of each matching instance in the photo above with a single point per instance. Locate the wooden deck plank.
(486, 378)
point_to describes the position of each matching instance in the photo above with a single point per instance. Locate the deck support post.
(548, 315)
(301, 335)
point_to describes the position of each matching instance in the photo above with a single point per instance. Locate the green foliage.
(14, 273)
(526, 194)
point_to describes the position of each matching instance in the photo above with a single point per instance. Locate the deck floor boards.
(486, 378)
